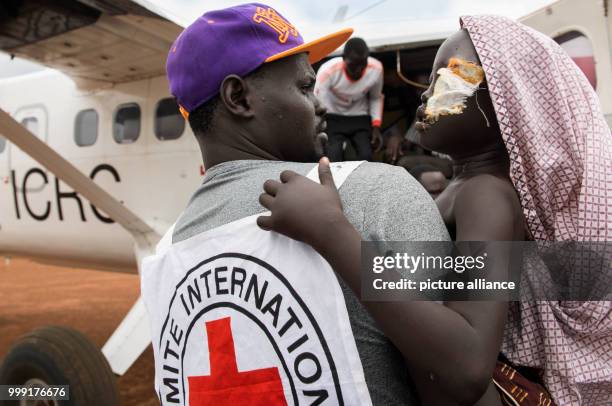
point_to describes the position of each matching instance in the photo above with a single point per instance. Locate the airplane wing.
(95, 42)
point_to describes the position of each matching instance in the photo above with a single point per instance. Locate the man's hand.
(394, 148)
(377, 139)
(302, 209)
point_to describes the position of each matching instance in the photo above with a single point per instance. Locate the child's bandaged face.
(455, 83)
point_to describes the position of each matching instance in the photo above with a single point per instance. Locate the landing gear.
(60, 356)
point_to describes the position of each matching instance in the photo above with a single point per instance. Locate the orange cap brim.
(317, 49)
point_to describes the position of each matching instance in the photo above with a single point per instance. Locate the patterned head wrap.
(560, 150)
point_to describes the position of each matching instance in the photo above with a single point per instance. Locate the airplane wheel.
(56, 355)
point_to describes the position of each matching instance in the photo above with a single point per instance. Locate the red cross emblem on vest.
(226, 386)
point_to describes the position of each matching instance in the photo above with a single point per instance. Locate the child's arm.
(457, 343)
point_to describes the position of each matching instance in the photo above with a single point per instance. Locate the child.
(530, 148)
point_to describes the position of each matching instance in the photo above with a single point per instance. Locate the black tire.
(61, 356)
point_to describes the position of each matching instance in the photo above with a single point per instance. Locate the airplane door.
(34, 118)
(20, 164)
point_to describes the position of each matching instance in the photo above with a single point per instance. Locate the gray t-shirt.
(383, 202)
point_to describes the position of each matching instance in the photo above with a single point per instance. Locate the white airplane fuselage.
(42, 218)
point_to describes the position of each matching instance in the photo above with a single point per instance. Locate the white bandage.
(450, 93)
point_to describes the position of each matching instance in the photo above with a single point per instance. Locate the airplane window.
(2, 144)
(31, 123)
(86, 128)
(169, 124)
(126, 125)
(580, 49)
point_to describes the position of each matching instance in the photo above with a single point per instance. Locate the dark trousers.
(355, 129)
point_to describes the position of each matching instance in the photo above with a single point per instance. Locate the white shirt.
(345, 96)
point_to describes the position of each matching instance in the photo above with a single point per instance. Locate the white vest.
(242, 316)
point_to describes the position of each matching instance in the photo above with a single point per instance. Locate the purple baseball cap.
(235, 40)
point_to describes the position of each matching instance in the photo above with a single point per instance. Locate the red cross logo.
(225, 386)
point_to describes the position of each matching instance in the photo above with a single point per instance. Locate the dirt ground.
(33, 295)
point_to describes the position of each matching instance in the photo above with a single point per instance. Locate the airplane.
(96, 162)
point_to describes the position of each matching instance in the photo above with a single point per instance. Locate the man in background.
(350, 87)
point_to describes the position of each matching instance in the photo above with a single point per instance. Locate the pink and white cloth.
(560, 149)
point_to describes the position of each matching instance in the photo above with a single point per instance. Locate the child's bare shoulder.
(488, 192)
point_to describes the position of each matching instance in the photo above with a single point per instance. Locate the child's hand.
(302, 209)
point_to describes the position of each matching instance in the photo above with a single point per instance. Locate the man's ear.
(234, 95)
